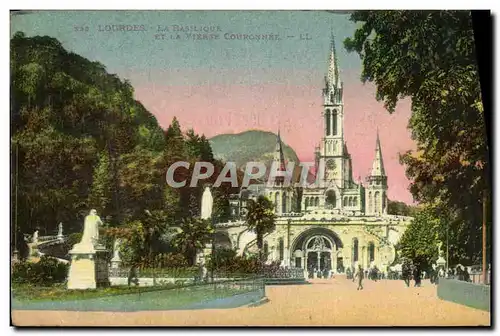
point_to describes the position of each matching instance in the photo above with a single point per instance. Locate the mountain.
(249, 146)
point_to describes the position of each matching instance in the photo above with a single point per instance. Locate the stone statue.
(91, 228)
(116, 249)
(206, 204)
(60, 231)
(440, 251)
(35, 237)
(89, 267)
(116, 260)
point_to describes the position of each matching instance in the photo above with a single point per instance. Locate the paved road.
(333, 302)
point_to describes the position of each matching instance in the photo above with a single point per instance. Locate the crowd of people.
(410, 271)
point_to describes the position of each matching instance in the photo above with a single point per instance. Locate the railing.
(46, 238)
(124, 272)
(476, 277)
(283, 273)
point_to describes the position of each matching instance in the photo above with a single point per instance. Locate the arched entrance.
(316, 250)
(319, 251)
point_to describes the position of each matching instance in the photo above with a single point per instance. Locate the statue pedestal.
(88, 268)
(115, 263)
(101, 267)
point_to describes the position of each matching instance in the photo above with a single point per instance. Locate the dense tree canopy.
(429, 56)
(420, 241)
(84, 142)
(401, 208)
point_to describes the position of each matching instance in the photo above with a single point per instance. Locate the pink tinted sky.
(233, 106)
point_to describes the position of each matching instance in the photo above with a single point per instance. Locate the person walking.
(417, 276)
(406, 273)
(360, 275)
(466, 275)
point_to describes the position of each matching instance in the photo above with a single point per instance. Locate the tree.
(76, 127)
(420, 240)
(260, 219)
(401, 208)
(429, 56)
(194, 234)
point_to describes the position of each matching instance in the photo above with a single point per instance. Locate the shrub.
(46, 272)
(226, 261)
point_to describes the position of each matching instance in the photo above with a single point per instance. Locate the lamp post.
(213, 249)
(485, 271)
(447, 247)
(15, 254)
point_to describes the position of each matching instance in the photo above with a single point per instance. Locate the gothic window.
(355, 201)
(345, 201)
(284, 203)
(331, 198)
(327, 120)
(334, 123)
(266, 251)
(332, 96)
(377, 201)
(355, 249)
(276, 202)
(370, 201)
(371, 251)
(350, 201)
(316, 201)
(383, 201)
(281, 249)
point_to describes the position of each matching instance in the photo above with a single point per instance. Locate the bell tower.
(332, 144)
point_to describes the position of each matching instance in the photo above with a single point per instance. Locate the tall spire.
(333, 67)
(278, 153)
(378, 163)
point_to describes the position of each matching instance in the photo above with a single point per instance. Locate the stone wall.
(465, 293)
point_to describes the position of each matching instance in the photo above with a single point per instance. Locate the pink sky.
(295, 107)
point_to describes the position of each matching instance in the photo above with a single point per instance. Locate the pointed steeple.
(278, 153)
(378, 163)
(333, 67)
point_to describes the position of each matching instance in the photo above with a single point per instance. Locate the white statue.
(207, 202)
(91, 228)
(116, 250)
(35, 237)
(60, 231)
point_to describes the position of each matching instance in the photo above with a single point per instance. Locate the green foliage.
(171, 260)
(84, 143)
(73, 239)
(429, 56)
(420, 240)
(74, 125)
(227, 262)
(194, 234)
(260, 218)
(47, 271)
(401, 209)
(58, 292)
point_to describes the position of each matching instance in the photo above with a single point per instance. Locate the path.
(333, 302)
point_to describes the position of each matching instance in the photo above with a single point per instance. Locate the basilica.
(330, 225)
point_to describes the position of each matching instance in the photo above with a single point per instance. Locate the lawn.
(59, 292)
(125, 298)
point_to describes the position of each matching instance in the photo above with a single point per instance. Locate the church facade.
(330, 225)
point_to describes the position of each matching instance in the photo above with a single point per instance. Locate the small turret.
(376, 191)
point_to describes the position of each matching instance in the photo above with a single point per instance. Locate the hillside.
(249, 146)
